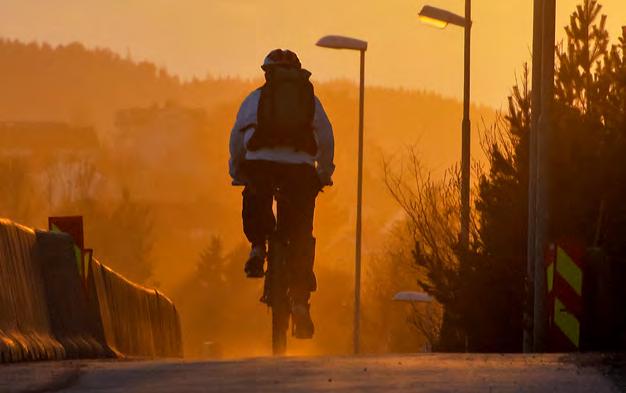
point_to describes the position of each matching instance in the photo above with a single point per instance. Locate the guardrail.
(52, 306)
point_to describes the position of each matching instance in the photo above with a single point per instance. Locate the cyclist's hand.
(323, 183)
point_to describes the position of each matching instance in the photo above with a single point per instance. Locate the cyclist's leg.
(296, 206)
(258, 217)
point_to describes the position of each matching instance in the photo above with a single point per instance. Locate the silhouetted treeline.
(75, 84)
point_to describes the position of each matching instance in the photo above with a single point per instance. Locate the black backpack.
(285, 113)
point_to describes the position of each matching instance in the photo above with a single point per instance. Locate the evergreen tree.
(211, 263)
(578, 176)
(611, 226)
(499, 264)
(125, 239)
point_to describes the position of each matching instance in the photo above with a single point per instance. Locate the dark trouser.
(295, 188)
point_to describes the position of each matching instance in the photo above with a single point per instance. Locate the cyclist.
(282, 140)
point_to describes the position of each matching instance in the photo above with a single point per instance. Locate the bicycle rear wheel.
(276, 294)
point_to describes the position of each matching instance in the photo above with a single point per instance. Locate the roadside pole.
(466, 137)
(532, 171)
(359, 208)
(544, 138)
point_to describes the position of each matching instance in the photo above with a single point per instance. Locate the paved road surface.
(415, 373)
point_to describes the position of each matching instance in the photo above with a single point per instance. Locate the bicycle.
(276, 288)
(276, 294)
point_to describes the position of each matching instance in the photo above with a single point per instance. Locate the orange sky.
(193, 37)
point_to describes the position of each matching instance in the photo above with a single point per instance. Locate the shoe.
(254, 264)
(301, 317)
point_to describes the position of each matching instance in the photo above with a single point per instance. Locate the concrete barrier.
(137, 321)
(25, 332)
(73, 308)
(49, 310)
(168, 329)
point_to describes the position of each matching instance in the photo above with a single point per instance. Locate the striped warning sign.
(564, 272)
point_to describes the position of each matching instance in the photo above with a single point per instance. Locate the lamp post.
(441, 19)
(532, 167)
(542, 197)
(340, 42)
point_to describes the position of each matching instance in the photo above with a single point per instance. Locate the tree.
(211, 263)
(71, 186)
(384, 323)
(134, 224)
(432, 208)
(578, 184)
(500, 261)
(125, 238)
(610, 76)
(16, 188)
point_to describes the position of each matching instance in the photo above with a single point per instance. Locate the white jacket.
(247, 118)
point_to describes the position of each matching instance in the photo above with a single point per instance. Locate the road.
(407, 373)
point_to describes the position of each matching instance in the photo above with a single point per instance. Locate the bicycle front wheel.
(280, 325)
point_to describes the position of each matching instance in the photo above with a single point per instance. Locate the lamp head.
(413, 297)
(341, 42)
(441, 18)
(427, 20)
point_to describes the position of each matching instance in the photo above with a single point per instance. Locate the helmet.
(279, 57)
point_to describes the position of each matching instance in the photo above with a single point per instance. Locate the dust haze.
(142, 155)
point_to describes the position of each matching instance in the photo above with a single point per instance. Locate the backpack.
(285, 113)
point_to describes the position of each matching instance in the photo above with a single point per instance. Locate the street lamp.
(441, 18)
(412, 297)
(415, 298)
(340, 42)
